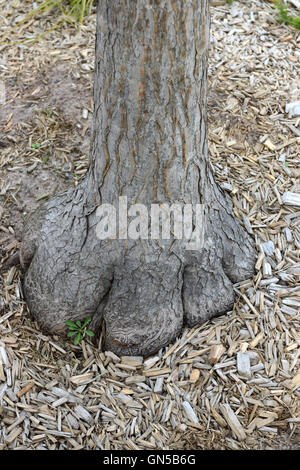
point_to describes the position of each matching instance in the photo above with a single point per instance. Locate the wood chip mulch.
(231, 383)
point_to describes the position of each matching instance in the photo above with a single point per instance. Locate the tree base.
(144, 291)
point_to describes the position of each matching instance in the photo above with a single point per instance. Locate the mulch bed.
(232, 383)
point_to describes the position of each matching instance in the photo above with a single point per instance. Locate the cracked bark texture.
(149, 144)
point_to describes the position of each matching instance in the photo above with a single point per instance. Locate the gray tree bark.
(149, 143)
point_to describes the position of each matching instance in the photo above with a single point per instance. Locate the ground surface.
(59, 396)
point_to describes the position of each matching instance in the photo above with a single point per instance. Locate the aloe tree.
(149, 144)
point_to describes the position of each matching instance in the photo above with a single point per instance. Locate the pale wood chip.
(215, 353)
(243, 365)
(155, 372)
(195, 373)
(25, 389)
(189, 412)
(14, 434)
(82, 378)
(135, 379)
(233, 421)
(134, 361)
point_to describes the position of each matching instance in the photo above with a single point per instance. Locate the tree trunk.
(149, 145)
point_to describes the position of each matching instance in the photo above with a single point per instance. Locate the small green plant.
(49, 113)
(284, 17)
(35, 146)
(78, 329)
